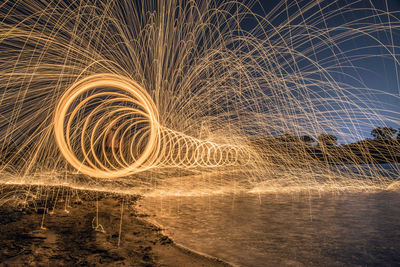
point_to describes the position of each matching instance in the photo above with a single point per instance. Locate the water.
(286, 229)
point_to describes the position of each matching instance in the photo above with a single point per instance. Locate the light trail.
(144, 91)
(142, 143)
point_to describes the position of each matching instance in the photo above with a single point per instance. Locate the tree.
(327, 140)
(307, 139)
(389, 132)
(383, 133)
(377, 132)
(288, 137)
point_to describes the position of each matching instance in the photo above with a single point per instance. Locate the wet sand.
(75, 234)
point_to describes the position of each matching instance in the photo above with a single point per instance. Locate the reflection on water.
(283, 229)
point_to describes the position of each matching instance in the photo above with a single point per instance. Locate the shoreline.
(85, 228)
(178, 245)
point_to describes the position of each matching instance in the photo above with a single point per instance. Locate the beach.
(84, 228)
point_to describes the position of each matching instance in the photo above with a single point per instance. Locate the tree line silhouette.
(384, 147)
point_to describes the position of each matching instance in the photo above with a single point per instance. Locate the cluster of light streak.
(117, 88)
(115, 132)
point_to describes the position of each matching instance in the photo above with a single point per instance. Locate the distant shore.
(367, 151)
(64, 229)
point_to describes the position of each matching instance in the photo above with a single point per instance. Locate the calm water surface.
(287, 230)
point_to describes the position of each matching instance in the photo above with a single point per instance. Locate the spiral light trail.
(88, 113)
(139, 92)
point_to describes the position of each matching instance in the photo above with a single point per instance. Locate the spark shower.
(116, 89)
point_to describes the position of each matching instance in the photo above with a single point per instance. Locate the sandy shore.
(63, 228)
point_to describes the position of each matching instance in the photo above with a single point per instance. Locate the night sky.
(379, 73)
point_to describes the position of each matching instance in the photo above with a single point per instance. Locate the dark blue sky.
(379, 73)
